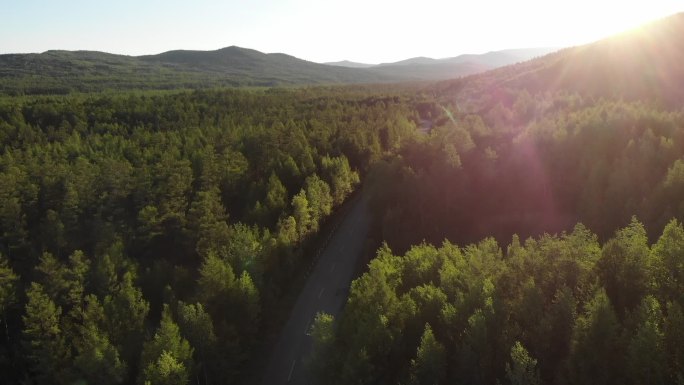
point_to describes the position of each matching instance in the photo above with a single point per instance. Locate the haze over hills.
(66, 71)
(350, 64)
(644, 64)
(491, 58)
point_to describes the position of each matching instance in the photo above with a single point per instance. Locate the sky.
(368, 31)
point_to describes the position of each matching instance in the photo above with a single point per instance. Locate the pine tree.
(8, 295)
(276, 195)
(215, 283)
(166, 370)
(125, 314)
(323, 335)
(97, 360)
(429, 366)
(645, 353)
(523, 369)
(597, 338)
(623, 267)
(319, 198)
(169, 348)
(43, 340)
(302, 214)
(668, 263)
(197, 327)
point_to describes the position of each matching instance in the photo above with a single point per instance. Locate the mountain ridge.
(63, 71)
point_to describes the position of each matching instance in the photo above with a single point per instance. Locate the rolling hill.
(84, 71)
(59, 72)
(425, 68)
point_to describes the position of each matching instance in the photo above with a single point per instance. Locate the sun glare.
(603, 19)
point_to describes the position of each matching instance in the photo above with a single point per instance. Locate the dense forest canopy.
(148, 235)
(151, 237)
(559, 309)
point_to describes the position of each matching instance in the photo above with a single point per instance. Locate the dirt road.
(326, 290)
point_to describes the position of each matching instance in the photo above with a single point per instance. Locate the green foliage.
(8, 282)
(167, 370)
(339, 175)
(541, 313)
(43, 338)
(97, 360)
(623, 267)
(207, 221)
(143, 184)
(323, 335)
(429, 365)
(197, 327)
(597, 337)
(166, 358)
(125, 315)
(215, 282)
(319, 200)
(522, 369)
(302, 214)
(667, 257)
(646, 355)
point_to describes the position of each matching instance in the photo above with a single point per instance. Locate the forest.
(533, 236)
(149, 237)
(527, 222)
(557, 309)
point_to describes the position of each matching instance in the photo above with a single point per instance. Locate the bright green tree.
(522, 370)
(197, 327)
(167, 347)
(668, 263)
(302, 214)
(319, 198)
(340, 176)
(623, 267)
(429, 365)
(215, 283)
(166, 370)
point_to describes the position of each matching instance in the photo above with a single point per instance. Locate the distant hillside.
(84, 71)
(425, 68)
(350, 64)
(501, 58)
(644, 64)
(59, 72)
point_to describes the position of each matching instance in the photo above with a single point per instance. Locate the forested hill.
(591, 134)
(83, 71)
(61, 72)
(644, 63)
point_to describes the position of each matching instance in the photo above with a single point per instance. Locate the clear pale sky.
(318, 30)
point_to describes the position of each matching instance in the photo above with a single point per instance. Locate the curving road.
(326, 290)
